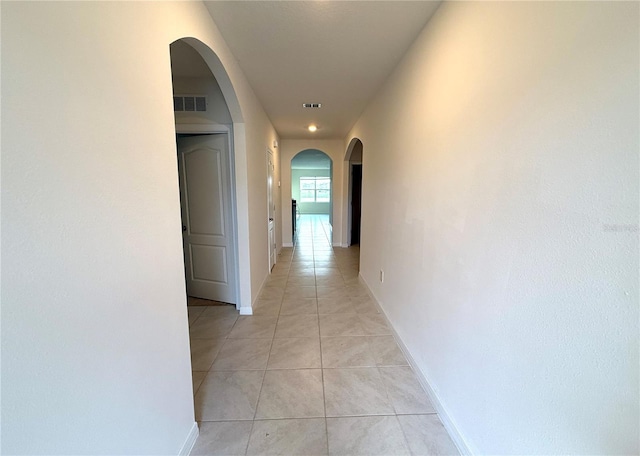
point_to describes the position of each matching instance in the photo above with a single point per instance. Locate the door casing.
(213, 128)
(271, 211)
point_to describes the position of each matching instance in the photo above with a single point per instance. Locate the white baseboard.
(248, 310)
(445, 417)
(190, 441)
(287, 244)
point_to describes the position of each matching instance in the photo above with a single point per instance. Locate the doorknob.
(271, 219)
(184, 228)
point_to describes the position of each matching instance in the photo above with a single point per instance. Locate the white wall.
(308, 207)
(335, 150)
(503, 153)
(95, 350)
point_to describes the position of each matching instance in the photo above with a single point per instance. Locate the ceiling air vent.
(311, 105)
(190, 103)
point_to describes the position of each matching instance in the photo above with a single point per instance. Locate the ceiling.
(337, 53)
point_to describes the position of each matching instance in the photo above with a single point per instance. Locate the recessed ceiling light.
(312, 128)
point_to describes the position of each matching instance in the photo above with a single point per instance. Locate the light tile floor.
(315, 370)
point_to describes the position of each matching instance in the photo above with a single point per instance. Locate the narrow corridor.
(314, 371)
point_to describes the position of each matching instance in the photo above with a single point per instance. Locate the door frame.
(347, 175)
(349, 204)
(270, 158)
(213, 128)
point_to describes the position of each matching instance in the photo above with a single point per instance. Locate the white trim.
(287, 244)
(270, 192)
(445, 417)
(213, 129)
(249, 310)
(242, 214)
(262, 285)
(234, 212)
(190, 442)
(349, 199)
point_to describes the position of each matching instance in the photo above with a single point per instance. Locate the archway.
(207, 194)
(238, 172)
(220, 74)
(312, 187)
(354, 195)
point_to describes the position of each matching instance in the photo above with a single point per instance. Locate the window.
(315, 189)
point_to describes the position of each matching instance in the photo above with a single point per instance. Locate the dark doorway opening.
(356, 203)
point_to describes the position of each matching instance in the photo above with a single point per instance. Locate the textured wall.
(95, 349)
(503, 153)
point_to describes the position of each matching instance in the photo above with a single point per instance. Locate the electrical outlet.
(381, 276)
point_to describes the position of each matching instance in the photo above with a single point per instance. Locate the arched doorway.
(239, 175)
(354, 195)
(206, 110)
(312, 188)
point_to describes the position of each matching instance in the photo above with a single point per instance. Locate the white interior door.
(271, 211)
(207, 226)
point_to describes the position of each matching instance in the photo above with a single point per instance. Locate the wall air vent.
(311, 105)
(190, 103)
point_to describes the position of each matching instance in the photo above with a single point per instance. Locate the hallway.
(315, 370)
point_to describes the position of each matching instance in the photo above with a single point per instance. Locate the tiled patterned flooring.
(315, 370)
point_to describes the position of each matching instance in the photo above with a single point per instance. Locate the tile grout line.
(324, 394)
(319, 417)
(246, 448)
(264, 374)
